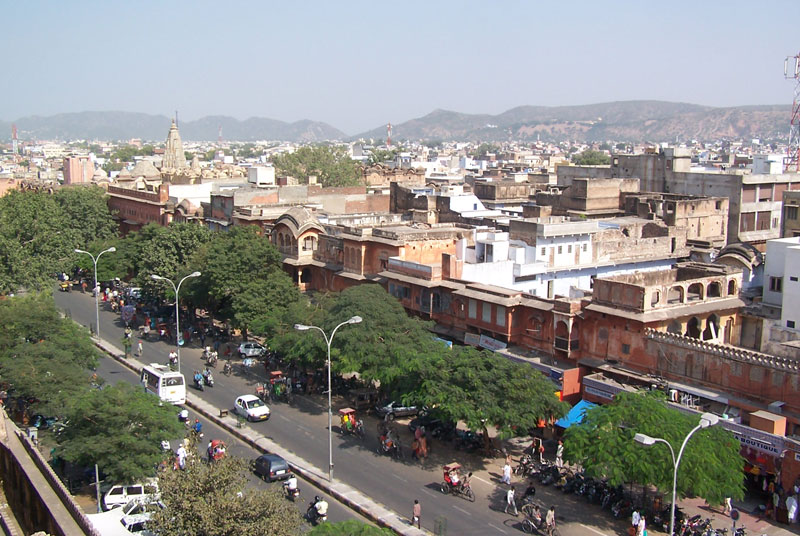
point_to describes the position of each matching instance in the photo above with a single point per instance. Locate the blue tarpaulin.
(575, 415)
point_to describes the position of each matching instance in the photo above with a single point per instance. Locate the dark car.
(434, 425)
(391, 409)
(271, 467)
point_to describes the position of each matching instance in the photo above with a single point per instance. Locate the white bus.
(170, 386)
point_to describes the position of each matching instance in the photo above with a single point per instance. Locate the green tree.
(168, 253)
(36, 241)
(188, 155)
(621, 146)
(351, 527)
(330, 165)
(483, 390)
(485, 148)
(119, 428)
(42, 355)
(591, 158)
(86, 213)
(379, 156)
(711, 466)
(205, 500)
(241, 268)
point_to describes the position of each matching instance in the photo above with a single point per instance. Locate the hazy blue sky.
(357, 65)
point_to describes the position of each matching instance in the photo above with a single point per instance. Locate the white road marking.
(495, 527)
(432, 494)
(593, 530)
(399, 478)
(482, 480)
(462, 510)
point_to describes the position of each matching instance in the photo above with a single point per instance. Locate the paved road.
(114, 372)
(302, 428)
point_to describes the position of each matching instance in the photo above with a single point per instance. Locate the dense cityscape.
(520, 312)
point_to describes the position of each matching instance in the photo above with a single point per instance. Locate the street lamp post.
(706, 420)
(177, 311)
(96, 290)
(303, 327)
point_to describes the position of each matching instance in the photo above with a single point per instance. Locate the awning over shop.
(575, 415)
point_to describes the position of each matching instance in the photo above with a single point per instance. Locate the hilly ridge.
(635, 121)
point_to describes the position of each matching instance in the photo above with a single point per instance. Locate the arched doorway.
(693, 328)
(712, 328)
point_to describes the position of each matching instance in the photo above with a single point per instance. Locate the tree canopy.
(43, 356)
(331, 165)
(711, 466)
(120, 428)
(204, 500)
(590, 157)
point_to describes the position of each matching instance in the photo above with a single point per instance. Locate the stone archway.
(694, 292)
(675, 295)
(732, 287)
(712, 328)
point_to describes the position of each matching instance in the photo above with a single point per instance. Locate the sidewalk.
(349, 496)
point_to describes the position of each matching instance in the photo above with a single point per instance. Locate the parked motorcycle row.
(617, 501)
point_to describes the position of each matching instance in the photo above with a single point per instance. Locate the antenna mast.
(389, 135)
(791, 71)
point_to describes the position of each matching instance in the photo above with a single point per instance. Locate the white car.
(120, 495)
(251, 408)
(130, 519)
(251, 349)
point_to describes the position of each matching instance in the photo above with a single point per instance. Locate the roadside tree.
(119, 428)
(213, 500)
(44, 357)
(711, 466)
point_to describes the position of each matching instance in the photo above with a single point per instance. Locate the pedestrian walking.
(550, 520)
(510, 501)
(507, 473)
(540, 448)
(635, 517)
(139, 349)
(560, 454)
(181, 453)
(641, 527)
(416, 513)
(727, 509)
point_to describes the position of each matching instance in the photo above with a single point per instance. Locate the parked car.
(435, 426)
(251, 408)
(391, 409)
(271, 467)
(251, 349)
(122, 494)
(132, 518)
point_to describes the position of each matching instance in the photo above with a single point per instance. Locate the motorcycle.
(388, 445)
(208, 378)
(212, 358)
(291, 494)
(227, 369)
(198, 382)
(313, 517)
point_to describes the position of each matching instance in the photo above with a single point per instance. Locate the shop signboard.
(491, 344)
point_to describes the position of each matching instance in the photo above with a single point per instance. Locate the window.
(776, 284)
(544, 251)
(791, 213)
(569, 248)
(559, 249)
(501, 315)
(792, 278)
(585, 247)
(790, 324)
(626, 348)
(473, 309)
(486, 313)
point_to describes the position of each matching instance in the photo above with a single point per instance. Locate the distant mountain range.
(635, 121)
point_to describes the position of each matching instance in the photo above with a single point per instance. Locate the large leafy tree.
(331, 165)
(711, 466)
(242, 280)
(212, 500)
(120, 429)
(591, 157)
(86, 213)
(483, 390)
(43, 356)
(168, 252)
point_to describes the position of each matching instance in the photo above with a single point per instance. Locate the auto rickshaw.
(350, 424)
(65, 285)
(216, 450)
(455, 483)
(280, 387)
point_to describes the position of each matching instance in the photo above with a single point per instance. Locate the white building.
(781, 274)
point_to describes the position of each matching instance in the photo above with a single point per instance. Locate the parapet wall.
(782, 364)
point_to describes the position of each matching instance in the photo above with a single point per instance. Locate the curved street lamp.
(112, 249)
(706, 420)
(177, 312)
(303, 327)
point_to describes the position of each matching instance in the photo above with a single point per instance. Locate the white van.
(120, 495)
